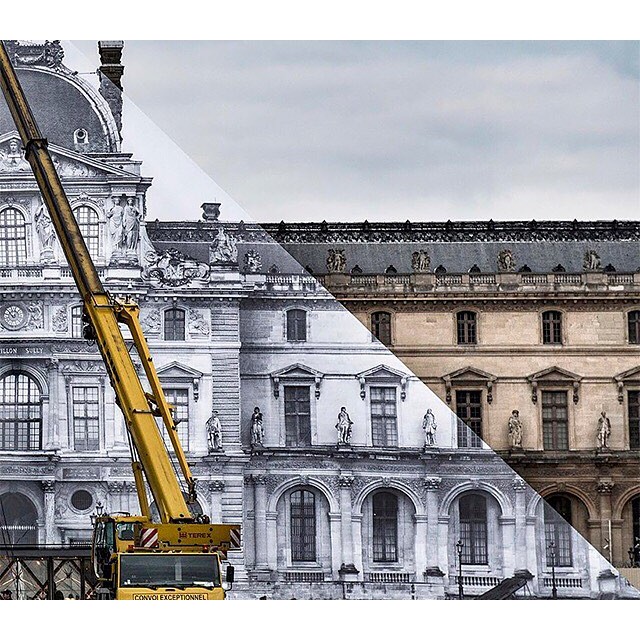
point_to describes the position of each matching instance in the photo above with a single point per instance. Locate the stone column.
(216, 487)
(249, 536)
(260, 516)
(51, 408)
(336, 550)
(431, 540)
(48, 487)
(605, 488)
(348, 570)
(520, 541)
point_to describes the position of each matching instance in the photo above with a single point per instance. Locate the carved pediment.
(556, 377)
(630, 377)
(296, 373)
(383, 374)
(69, 164)
(469, 376)
(176, 372)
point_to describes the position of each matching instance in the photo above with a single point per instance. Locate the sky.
(355, 130)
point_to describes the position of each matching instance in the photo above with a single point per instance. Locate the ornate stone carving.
(345, 482)
(50, 54)
(198, 325)
(13, 316)
(35, 316)
(150, 322)
(223, 248)
(84, 366)
(260, 479)
(12, 158)
(420, 262)
(46, 234)
(216, 485)
(175, 269)
(343, 427)
(124, 228)
(432, 484)
(48, 486)
(506, 261)
(519, 484)
(591, 261)
(604, 430)
(605, 487)
(515, 430)
(214, 433)
(67, 168)
(252, 261)
(60, 320)
(336, 261)
(257, 429)
(429, 426)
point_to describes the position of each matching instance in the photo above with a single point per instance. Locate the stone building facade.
(350, 477)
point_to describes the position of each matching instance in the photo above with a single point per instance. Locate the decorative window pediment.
(296, 373)
(382, 374)
(631, 377)
(554, 377)
(469, 377)
(178, 373)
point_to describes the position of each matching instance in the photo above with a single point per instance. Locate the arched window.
(467, 328)
(13, 238)
(18, 520)
(174, 323)
(552, 327)
(303, 526)
(633, 321)
(473, 529)
(381, 326)
(557, 530)
(89, 227)
(635, 514)
(20, 413)
(296, 325)
(76, 321)
(385, 527)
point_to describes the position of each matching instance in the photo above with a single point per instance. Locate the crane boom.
(104, 315)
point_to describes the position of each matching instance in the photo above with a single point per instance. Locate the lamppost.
(459, 548)
(552, 556)
(97, 513)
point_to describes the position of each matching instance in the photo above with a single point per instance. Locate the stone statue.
(257, 430)
(198, 323)
(591, 261)
(336, 261)
(115, 216)
(420, 261)
(46, 233)
(343, 427)
(214, 433)
(515, 430)
(174, 268)
(224, 248)
(506, 261)
(13, 160)
(604, 430)
(430, 426)
(130, 226)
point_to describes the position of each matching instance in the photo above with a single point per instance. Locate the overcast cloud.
(420, 131)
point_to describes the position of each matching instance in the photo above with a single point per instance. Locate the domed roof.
(69, 112)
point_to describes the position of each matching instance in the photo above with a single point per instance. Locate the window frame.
(21, 252)
(633, 326)
(375, 324)
(554, 436)
(174, 310)
(469, 434)
(298, 441)
(294, 558)
(72, 417)
(376, 532)
(292, 329)
(75, 312)
(553, 327)
(475, 551)
(94, 248)
(466, 327)
(394, 439)
(38, 421)
(558, 528)
(169, 387)
(633, 418)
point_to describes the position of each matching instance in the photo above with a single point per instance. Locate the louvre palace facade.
(351, 477)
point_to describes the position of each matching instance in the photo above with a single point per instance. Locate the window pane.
(13, 238)
(86, 425)
(20, 413)
(384, 417)
(385, 527)
(634, 327)
(76, 322)
(473, 529)
(469, 410)
(179, 398)
(89, 228)
(381, 326)
(555, 426)
(297, 415)
(174, 322)
(557, 530)
(634, 419)
(466, 325)
(297, 325)
(552, 327)
(303, 526)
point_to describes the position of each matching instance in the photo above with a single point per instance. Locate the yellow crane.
(135, 557)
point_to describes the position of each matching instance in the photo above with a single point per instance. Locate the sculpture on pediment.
(150, 322)
(50, 54)
(515, 430)
(198, 323)
(46, 234)
(214, 433)
(420, 261)
(130, 226)
(224, 248)
(430, 427)
(173, 268)
(604, 430)
(336, 261)
(591, 261)
(252, 261)
(343, 427)
(506, 261)
(12, 158)
(257, 430)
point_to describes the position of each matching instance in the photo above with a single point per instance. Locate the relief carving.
(336, 261)
(59, 320)
(223, 248)
(591, 261)
(420, 262)
(150, 321)
(252, 261)
(175, 269)
(198, 325)
(506, 261)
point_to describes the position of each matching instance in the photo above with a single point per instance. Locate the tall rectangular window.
(557, 531)
(384, 417)
(469, 410)
(385, 527)
(296, 325)
(76, 322)
(13, 238)
(555, 420)
(174, 323)
(86, 418)
(552, 327)
(634, 419)
(633, 323)
(179, 398)
(297, 415)
(467, 331)
(303, 526)
(381, 326)
(473, 529)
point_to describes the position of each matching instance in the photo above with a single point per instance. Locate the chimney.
(210, 211)
(110, 73)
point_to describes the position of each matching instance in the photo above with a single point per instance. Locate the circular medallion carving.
(13, 316)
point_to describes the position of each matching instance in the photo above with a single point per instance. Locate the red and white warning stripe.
(234, 535)
(149, 537)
